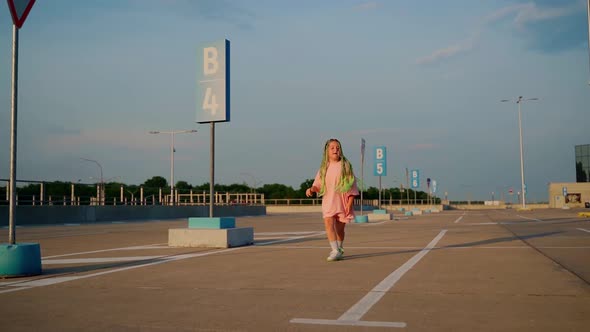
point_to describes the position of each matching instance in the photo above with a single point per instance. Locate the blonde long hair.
(346, 180)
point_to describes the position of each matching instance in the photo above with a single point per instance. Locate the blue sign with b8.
(380, 161)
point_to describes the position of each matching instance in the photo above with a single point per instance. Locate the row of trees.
(155, 184)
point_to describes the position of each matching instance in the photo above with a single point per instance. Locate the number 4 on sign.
(210, 101)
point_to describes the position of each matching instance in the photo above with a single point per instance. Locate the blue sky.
(423, 78)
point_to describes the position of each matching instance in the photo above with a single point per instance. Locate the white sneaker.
(334, 256)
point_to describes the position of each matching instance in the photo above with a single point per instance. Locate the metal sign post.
(17, 259)
(213, 92)
(380, 167)
(415, 182)
(13, 127)
(362, 170)
(19, 10)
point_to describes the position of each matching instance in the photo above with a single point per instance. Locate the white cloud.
(449, 51)
(531, 13)
(523, 14)
(367, 6)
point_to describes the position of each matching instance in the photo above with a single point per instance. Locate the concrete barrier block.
(408, 213)
(361, 219)
(210, 238)
(380, 217)
(379, 211)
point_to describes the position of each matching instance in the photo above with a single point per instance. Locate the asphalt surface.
(492, 270)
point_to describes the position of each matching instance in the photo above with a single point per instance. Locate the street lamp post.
(519, 101)
(588, 9)
(172, 133)
(100, 195)
(255, 181)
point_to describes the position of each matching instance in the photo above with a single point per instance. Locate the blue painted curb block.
(20, 259)
(212, 223)
(408, 213)
(401, 209)
(361, 219)
(380, 211)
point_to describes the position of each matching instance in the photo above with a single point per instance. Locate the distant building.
(572, 194)
(583, 163)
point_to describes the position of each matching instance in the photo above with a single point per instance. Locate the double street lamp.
(100, 195)
(172, 133)
(519, 101)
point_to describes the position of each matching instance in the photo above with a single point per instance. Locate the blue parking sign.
(415, 175)
(380, 168)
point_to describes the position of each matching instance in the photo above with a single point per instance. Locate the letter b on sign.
(210, 62)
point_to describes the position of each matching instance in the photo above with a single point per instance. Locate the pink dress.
(333, 202)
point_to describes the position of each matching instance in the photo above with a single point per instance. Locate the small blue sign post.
(415, 175)
(380, 168)
(362, 218)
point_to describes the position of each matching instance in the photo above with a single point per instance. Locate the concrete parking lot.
(493, 270)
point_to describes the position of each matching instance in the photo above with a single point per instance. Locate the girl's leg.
(330, 229)
(331, 232)
(339, 226)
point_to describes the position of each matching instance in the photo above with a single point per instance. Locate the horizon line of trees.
(153, 185)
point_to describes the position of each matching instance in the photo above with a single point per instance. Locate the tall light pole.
(588, 9)
(519, 101)
(172, 133)
(101, 185)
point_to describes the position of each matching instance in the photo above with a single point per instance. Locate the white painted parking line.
(58, 280)
(458, 219)
(533, 219)
(583, 230)
(284, 233)
(340, 322)
(290, 239)
(358, 310)
(71, 234)
(21, 284)
(436, 247)
(372, 223)
(98, 260)
(150, 246)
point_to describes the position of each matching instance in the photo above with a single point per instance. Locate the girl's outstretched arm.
(309, 192)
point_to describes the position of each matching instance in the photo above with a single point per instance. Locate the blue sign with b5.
(380, 161)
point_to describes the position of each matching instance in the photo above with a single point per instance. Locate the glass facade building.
(583, 163)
